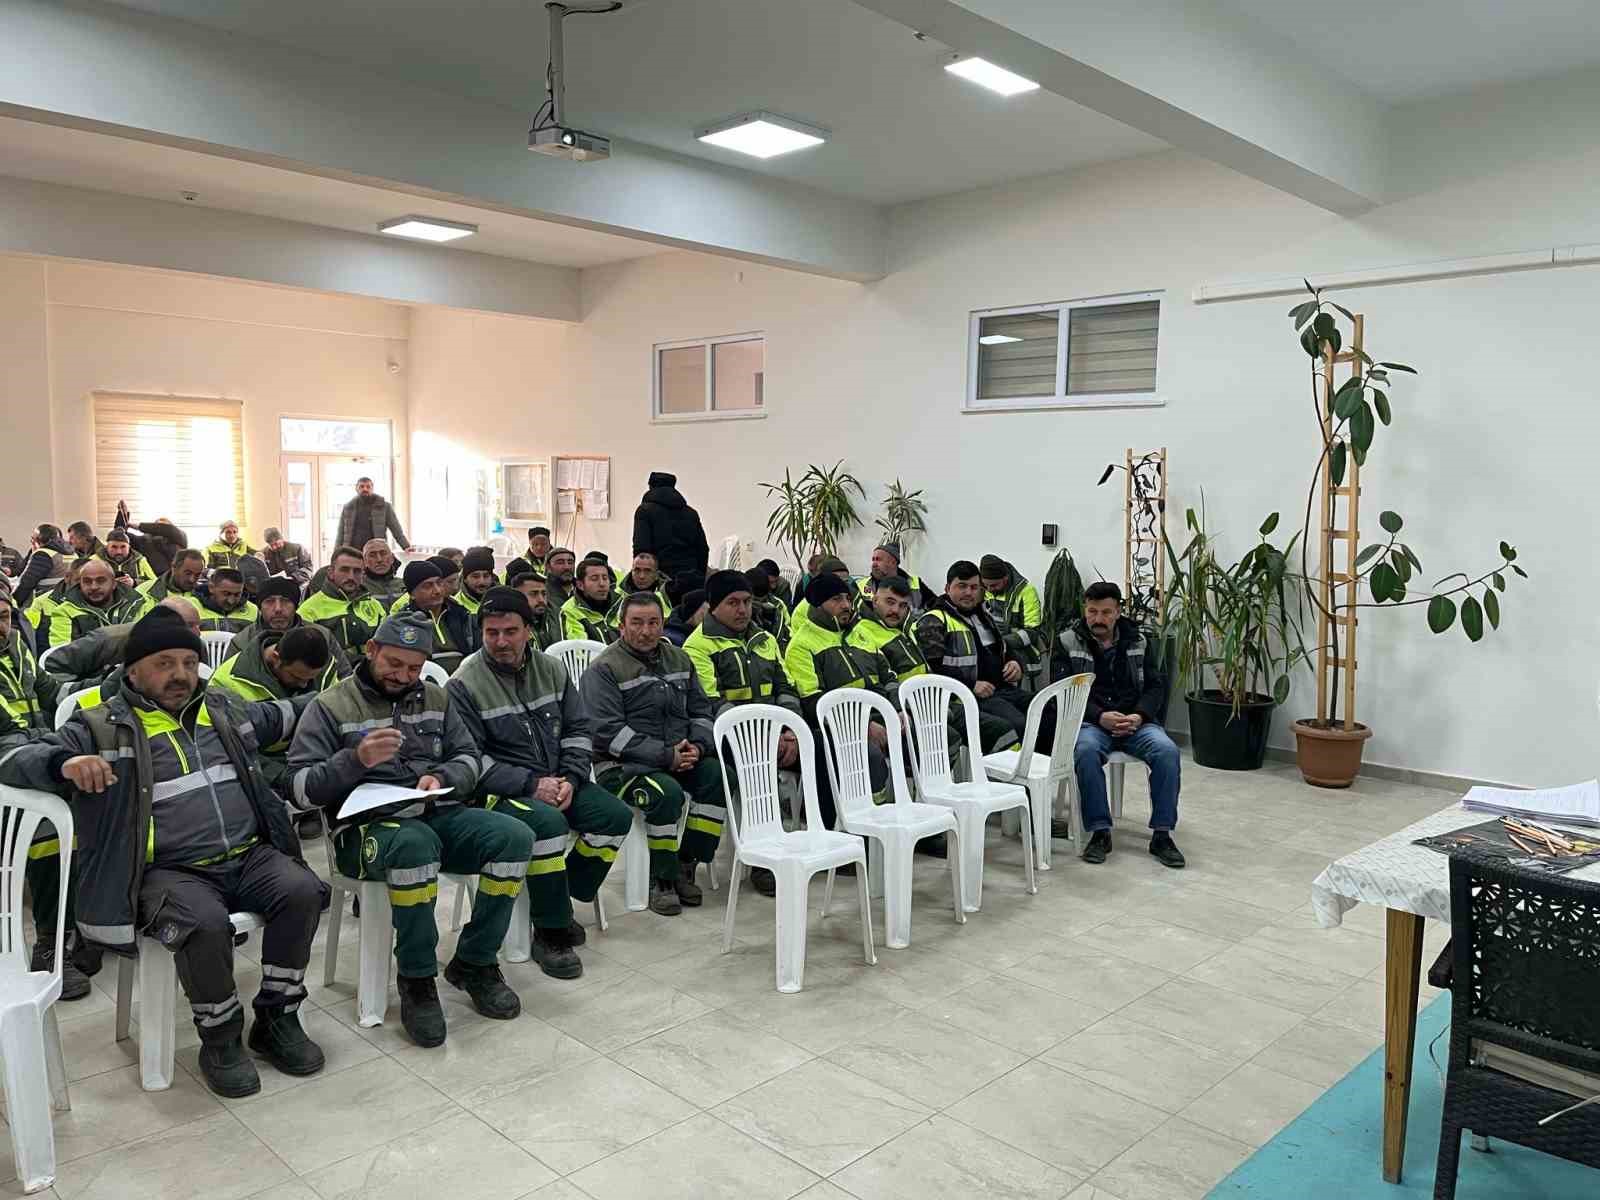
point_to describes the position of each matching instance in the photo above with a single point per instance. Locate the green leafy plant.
(904, 513)
(1062, 602)
(811, 513)
(1390, 571)
(1236, 630)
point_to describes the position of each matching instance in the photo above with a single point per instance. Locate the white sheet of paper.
(566, 502)
(566, 474)
(368, 796)
(586, 474)
(602, 473)
(1578, 803)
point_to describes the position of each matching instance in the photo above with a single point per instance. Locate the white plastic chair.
(45, 657)
(636, 862)
(751, 733)
(844, 715)
(432, 672)
(1116, 768)
(158, 1003)
(69, 705)
(30, 1043)
(216, 642)
(926, 701)
(1045, 774)
(518, 945)
(575, 654)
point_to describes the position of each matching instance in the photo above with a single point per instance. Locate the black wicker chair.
(1526, 978)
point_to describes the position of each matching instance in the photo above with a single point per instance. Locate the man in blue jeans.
(1123, 713)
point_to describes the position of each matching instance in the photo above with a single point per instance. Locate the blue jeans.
(1150, 744)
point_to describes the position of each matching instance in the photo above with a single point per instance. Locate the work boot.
(276, 1035)
(1060, 829)
(487, 987)
(421, 1014)
(552, 950)
(87, 958)
(933, 847)
(228, 1070)
(74, 983)
(578, 934)
(763, 881)
(688, 890)
(1099, 846)
(664, 898)
(1166, 850)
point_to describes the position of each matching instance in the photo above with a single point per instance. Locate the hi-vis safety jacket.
(736, 669)
(136, 566)
(529, 723)
(74, 617)
(581, 621)
(353, 622)
(949, 640)
(1019, 618)
(820, 659)
(222, 554)
(894, 642)
(188, 791)
(235, 620)
(248, 676)
(28, 696)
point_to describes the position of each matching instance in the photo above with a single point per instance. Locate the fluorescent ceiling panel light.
(996, 79)
(997, 339)
(762, 134)
(427, 229)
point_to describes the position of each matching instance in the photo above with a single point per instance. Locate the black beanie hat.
(446, 566)
(769, 567)
(824, 588)
(160, 629)
(498, 600)
(760, 582)
(691, 602)
(722, 584)
(479, 558)
(277, 586)
(992, 566)
(517, 569)
(421, 571)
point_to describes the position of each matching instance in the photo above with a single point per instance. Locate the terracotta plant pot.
(1329, 757)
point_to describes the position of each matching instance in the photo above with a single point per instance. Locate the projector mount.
(549, 133)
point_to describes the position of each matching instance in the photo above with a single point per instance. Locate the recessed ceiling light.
(427, 229)
(996, 79)
(997, 339)
(762, 134)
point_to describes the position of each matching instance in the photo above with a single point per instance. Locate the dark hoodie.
(665, 525)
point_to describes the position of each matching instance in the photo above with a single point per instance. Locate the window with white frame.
(710, 378)
(1072, 354)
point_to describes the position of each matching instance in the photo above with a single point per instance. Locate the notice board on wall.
(524, 491)
(583, 485)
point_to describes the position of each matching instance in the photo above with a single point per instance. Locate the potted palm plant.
(1236, 636)
(812, 513)
(905, 514)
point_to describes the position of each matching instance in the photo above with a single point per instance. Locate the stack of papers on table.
(1576, 804)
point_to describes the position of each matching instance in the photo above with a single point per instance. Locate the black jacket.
(47, 562)
(665, 525)
(1127, 678)
(292, 561)
(158, 541)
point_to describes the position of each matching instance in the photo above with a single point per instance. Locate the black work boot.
(763, 881)
(85, 957)
(490, 994)
(74, 983)
(664, 898)
(421, 1014)
(1099, 846)
(688, 890)
(552, 950)
(227, 1068)
(1166, 850)
(276, 1035)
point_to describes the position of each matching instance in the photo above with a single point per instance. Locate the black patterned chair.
(1525, 980)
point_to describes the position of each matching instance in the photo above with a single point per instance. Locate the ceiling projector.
(569, 143)
(550, 134)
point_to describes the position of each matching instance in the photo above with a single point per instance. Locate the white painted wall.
(1485, 444)
(78, 328)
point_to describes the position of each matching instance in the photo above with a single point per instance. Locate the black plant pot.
(1225, 741)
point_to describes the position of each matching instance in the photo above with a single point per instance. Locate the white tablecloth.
(1395, 874)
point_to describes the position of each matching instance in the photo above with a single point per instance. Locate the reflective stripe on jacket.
(529, 724)
(641, 706)
(582, 622)
(353, 622)
(1019, 619)
(820, 659)
(735, 670)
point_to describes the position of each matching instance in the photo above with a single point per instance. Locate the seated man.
(779, 585)
(285, 558)
(886, 566)
(651, 724)
(94, 602)
(223, 607)
(1013, 605)
(960, 641)
(766, 608)
(455, 633)
(80, 536)
(586, 615)
(278, 666)
(477, 577)
(527, 718)
(278, 604)
(449, 564)
(342, 605)
(546, 620)
(187, 567)
(738, 662)
(229, 547)
(538, 549)
(89, 660)
(215, 841)
(385, 725)
(382, 579)
(559, 566)
(1123, 713)
(131, 568)
(47, 559)
(823, 565)
(643, 577)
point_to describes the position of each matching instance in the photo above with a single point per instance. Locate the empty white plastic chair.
(69, 705)
(216, 642)
(1045, 774)
(432, 672)
(30, 1043)
(575, 654)
(926, 701)
(750, 734)
(158, 1003)
(897, 826)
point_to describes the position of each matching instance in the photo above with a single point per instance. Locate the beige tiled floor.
(1130, 1033)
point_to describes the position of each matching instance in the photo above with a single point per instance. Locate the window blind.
(171, 457)
(1112, 348)
(1025, 366)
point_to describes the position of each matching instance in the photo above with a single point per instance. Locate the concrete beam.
(114, 70)
(1188, 72)
(67, 222)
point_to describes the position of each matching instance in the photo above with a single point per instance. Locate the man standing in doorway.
(368, 515)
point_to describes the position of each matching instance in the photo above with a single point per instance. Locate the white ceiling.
(111, 164)
(1402, 50)
(903, 129)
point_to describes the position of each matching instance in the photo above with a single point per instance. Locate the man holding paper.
(385, 725)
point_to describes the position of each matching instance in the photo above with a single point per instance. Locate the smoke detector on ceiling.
(550, 133)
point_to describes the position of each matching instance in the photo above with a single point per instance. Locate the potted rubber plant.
(1383, 574)
(1235, 633)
